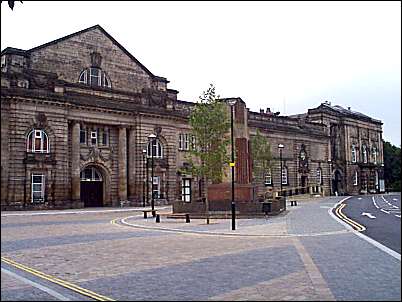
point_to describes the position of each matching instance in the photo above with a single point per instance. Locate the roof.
(347, 112)
(26, 52)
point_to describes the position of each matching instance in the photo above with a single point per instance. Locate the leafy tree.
(262, 159)
(392, 166)
(10, 3)
(210, 123)
(262, 156)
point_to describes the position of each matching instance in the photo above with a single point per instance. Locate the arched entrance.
(91, 187)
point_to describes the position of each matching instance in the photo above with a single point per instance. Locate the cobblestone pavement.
(303, 254)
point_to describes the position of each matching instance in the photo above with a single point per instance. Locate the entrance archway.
(91, 187)
(337, 182)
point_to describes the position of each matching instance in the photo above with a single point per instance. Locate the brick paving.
(303, 254)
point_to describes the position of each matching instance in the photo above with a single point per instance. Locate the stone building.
(77, 113)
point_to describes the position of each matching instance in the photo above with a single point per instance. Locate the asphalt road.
(386, 226)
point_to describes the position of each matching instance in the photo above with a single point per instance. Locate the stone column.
(131, 163)
(75, 162)
(122, 164)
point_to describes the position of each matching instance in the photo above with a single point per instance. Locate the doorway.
(91, 187)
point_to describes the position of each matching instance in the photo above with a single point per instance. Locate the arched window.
(95, 77)
(353, 153)
(90, 174)
(284, 175)
(157, 149)
(364, 153)
(37, 141)
(319, 176)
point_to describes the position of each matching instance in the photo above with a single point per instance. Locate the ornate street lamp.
(280, 146)
(145, 175)
(232, 164)
(330, 176)
(151, 142)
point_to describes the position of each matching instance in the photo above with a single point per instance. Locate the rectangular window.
(104, 137)
(268, 178)
(38, 188)
(94, 137)
(192, 142)
(3, 61)
(186, 142)
(355, 179)
(353, 154)
(83, 136)
(156, 187)
(181, 141)
(186, 189)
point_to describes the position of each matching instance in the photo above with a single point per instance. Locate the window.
(157, 149)
(268, 178)
(353, 153)
(319, 176)
(90, 174)
(186, 189)
(38, 188)
(95, 77)
(3, 61)
(285, 176)
(156, 187)
(37, 141)
(83, 135)
(355, 179)
(94, 137)
(375, 155)
(364, 152)
(186, 141)
(376, 180)
(105, 136)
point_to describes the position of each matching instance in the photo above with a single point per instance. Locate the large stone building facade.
(77, 112)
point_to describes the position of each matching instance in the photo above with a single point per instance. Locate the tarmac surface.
(303, 254)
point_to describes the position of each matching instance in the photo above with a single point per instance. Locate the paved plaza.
(302, 254)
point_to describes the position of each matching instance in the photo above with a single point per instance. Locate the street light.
(145, 175)
(280, 146)
(232, 164)
(151, 141)
(330, 176)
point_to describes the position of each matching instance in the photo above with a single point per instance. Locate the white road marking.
(398, 216)
(369, 215)
(396, 199)
(359, 198)
(375, 204)
(37, 285)
(382, 210)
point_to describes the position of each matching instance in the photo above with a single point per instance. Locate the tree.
(10, 3)
(210, 123)
(392, 166)
(262, 156)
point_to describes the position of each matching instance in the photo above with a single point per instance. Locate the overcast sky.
(289, 56)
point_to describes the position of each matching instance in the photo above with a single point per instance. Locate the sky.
(288, 56)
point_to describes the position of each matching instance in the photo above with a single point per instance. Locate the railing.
(291, 191)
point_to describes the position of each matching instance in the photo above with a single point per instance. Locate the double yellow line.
(354, 224)
(58, 281)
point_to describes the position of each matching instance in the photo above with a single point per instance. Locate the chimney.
(261, 110)
(348, 108)
(268, 110)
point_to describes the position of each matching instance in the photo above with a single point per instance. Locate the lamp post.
(145, 175)
(232, 165)
(280, 146)
(330, 176)
(151, 139)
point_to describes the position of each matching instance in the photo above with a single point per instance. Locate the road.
(380, 214)
(112, 254)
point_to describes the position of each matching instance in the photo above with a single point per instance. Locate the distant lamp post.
(281, 146)
(330, 176)
(145, 175)
(151, 142)
(232, 164)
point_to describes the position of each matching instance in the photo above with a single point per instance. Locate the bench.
(180, 215)
(148, 211)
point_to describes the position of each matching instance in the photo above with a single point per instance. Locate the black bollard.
(158, 218)
(145, 215)
(187, 218)
(153, 213)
